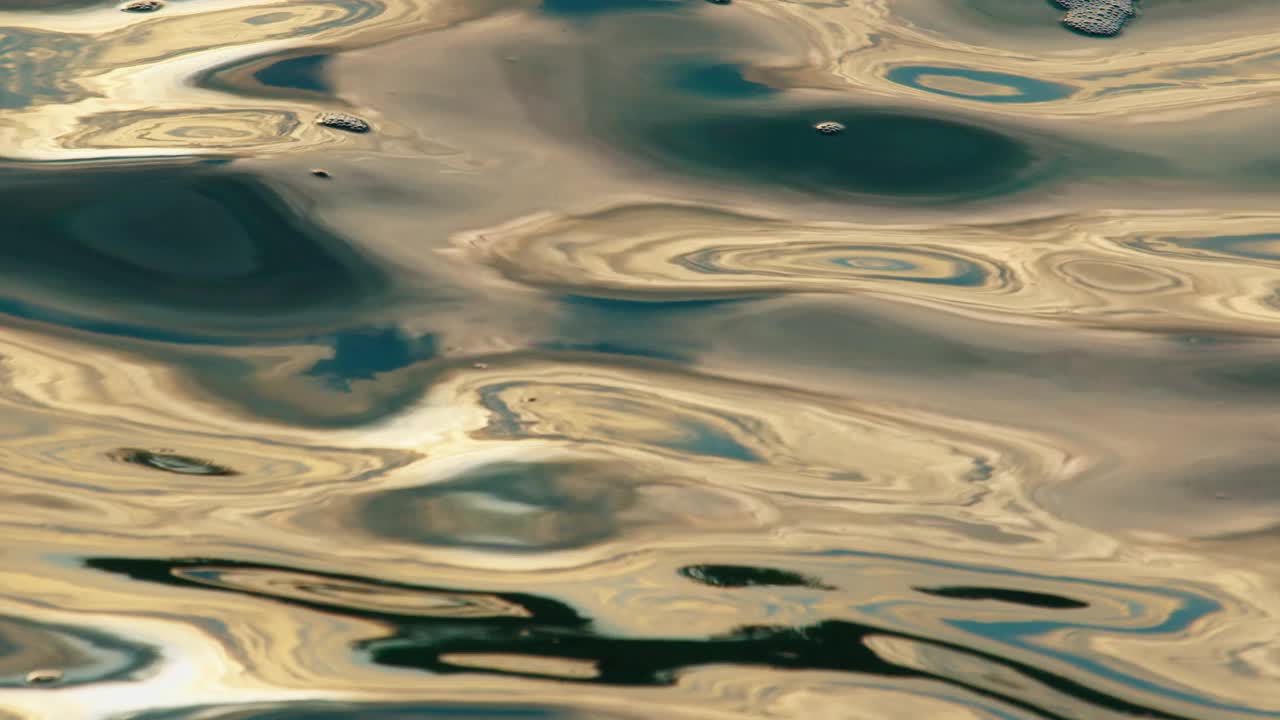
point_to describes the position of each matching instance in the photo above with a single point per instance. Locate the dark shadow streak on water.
(739, 576)
(1016, 597)
(552, 629)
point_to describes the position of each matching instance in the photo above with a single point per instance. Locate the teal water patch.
(593, 7)
(1253, 247)
(297, 73)
(366, 354)
(1024, 89)
(719, 80)
(879, 153)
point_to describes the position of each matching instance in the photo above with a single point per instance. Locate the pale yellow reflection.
(1135, 270)
(108, 84)
(1170, 76)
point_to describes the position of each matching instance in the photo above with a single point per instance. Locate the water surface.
(593, 382)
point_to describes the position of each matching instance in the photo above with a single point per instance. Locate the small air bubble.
(320, 172)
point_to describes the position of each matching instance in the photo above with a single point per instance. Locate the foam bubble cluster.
(1096, 17)
(343, 121)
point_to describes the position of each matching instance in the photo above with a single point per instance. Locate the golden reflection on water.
(581, 422)
(1095, 269)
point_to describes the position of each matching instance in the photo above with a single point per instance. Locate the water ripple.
(1108, 269)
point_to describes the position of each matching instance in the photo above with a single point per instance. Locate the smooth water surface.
(592, 382)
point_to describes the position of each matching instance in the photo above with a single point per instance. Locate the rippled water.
(593, 382)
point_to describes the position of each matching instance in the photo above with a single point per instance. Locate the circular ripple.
(1118, 277)
(834, 261)
(991, 87)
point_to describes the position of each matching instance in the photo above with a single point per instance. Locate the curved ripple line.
(1104, 269)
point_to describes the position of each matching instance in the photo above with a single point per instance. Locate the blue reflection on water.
(364, 353)
(1190, 609)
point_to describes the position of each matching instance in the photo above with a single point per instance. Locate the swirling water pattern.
(593, 382)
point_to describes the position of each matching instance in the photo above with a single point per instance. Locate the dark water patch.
(551, 630)
(879, 153)
(1015, 597)
(370, 374)
(579, 8)
(206, 259)
(1260, 375)
(506, 506)
(292, 74)
(306, 72)
(315, 710)
(1024, 89)
(179, 247)
(364, 354)
(740, 576)
(68, 655)
(169, 462)
(716, 80)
